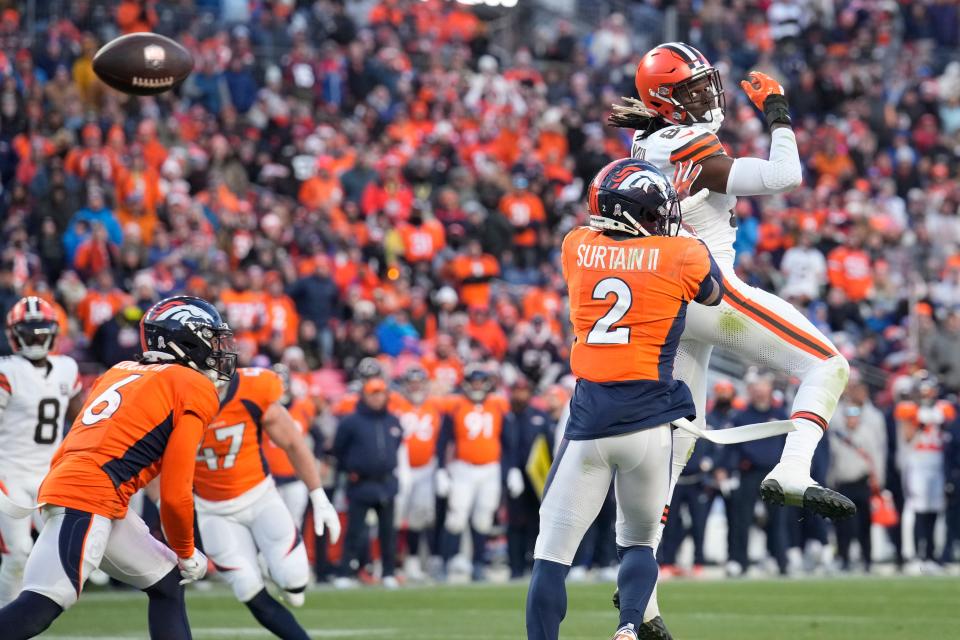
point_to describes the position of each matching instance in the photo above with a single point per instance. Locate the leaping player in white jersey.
(39, 393)
(679, 112)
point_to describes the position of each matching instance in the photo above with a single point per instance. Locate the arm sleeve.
(779, 174)
(176, 484)
(701, 275)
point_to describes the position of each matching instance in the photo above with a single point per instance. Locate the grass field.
(839, 609)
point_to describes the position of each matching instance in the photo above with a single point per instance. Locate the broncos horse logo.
(182, 312)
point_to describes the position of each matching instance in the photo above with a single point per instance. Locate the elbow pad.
(758, 177)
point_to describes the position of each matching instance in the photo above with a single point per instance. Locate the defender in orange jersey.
(630, 280)
(481, 441)
(302, 410)
(416, 502)
(240, 512)
(140, 419)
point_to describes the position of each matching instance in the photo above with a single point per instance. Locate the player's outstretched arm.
(780, 173)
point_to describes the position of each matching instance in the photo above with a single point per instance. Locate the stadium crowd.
(389, 184)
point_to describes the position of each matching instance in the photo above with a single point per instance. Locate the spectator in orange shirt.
(473, 271)
(849, 268)
(96, 253)
(244, 308)
(281, 314)
(487, 332)
(390, 195)
(832, 161)
(136, 15)
(422, 239)
(137, 193)
(323, 189)
(92, 159)
(101, 303)
(525, 211)
(444, 365)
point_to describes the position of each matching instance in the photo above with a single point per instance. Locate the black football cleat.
(654, 629)
(820, 500)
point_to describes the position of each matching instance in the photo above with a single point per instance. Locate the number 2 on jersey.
(602, 333)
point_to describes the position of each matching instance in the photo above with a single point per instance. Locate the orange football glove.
(767, 95)
(684, 175)
(759, 87)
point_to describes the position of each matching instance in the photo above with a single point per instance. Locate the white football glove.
(443, 482)
(324, 515)
(192, 568)
(514, 482)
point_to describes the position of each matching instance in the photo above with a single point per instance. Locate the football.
(142, 64)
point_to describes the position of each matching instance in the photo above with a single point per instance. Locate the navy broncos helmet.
(189, 331)
(633, 197)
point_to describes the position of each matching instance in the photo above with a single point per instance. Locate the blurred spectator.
(858, 445)
(753, 461)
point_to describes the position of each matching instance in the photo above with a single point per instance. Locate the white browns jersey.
(33, 405)
(713, 220)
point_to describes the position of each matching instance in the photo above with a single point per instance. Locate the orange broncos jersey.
(477, 427)
(231, 460)
(628, 301)
(302, 410)
(117, 442)
(421, 429)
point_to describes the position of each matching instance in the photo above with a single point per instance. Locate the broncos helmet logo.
(183, 313)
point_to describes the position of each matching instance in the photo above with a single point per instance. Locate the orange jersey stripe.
(705, 152)
(812, 417)
(785, 330)
(689, 149)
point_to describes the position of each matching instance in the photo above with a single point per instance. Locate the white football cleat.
(791, 485)
(344, 583)
(390, 583)
(412, 569)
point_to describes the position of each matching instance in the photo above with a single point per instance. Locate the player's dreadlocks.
(632, 114)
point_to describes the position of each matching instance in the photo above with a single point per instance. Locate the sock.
(449, 545)
(413, 543)
(479, 548)
(167, 611)
(275, 618)
(546, 600)
(636, 580)
(802, 443)
(28, 615)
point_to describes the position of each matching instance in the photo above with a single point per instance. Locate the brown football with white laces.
(142, 64)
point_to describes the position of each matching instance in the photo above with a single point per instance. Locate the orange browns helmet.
(677, 82)
(32, 327)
